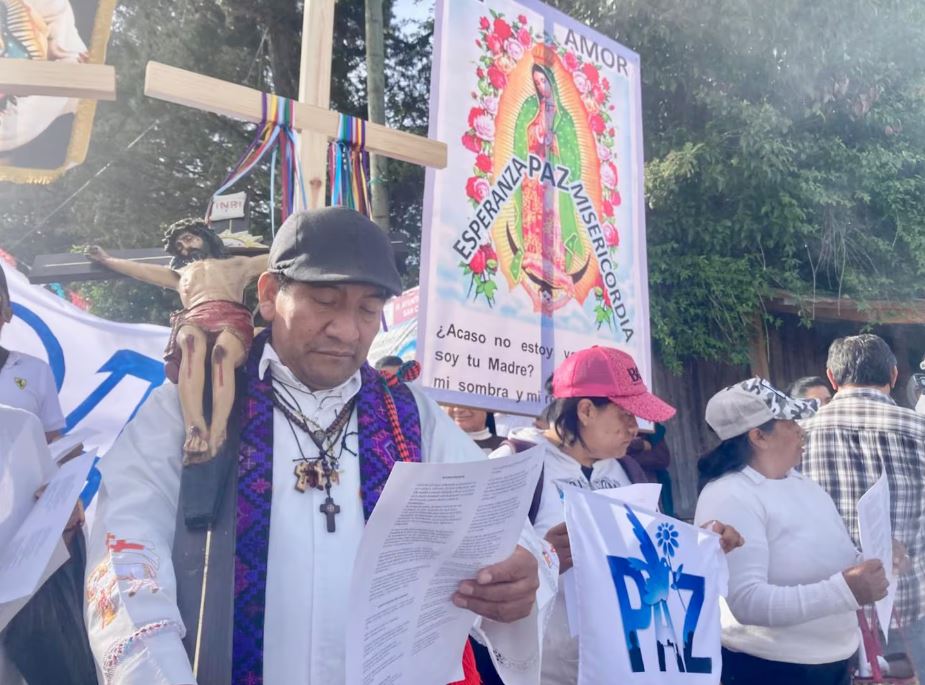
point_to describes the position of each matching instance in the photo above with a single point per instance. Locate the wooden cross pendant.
(306, 474)
(330, 510)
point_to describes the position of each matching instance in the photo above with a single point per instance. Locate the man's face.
(189, 245)
(321, 333)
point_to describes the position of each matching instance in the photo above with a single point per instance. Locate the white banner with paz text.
(648, 589)
(534, 240)
(103, 370)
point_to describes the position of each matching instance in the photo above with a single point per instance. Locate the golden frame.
(79, 142)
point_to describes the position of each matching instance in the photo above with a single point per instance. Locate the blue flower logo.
(667, 538)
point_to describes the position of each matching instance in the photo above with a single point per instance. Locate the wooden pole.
(315, 89)
(58, 79)
(375, 95)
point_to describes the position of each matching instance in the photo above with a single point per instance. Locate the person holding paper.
(45, 641)
(319, 433)
(26, 382)
(794, 587)
(599, 393)
(861, 434)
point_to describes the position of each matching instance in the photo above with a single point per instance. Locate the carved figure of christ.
(201, 282)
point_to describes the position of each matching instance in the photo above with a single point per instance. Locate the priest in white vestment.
(324, 309)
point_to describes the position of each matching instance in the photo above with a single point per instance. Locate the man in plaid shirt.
(850, 441)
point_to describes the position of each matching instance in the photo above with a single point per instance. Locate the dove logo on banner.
(103, 370)
(657, 621)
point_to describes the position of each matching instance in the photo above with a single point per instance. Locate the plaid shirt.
(847, 441)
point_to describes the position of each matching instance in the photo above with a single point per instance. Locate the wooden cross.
(70, 267)
(307, 476)
(330, 510)
(23, 77)
(315, 123)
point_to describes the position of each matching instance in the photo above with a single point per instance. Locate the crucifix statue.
(214, 328)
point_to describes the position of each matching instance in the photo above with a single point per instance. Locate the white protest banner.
(876, 533)
(648, 591)
(644, 495)
(103, 370)
(534, 240)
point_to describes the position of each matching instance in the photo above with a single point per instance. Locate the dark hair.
(861, 360)
(389, 360)
(801, 385)
(563, 417)
(198, 227)
(728, 456)
(4, 289)
(490, 423)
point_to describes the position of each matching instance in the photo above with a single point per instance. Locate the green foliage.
(785, 147)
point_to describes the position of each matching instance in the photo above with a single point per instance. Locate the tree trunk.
(375, 87)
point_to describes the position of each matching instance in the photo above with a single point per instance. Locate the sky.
(413, 9)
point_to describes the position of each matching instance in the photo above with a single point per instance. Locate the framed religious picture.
(42, 136)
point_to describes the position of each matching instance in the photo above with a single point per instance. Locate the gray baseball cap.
(334, 245)
(752, 403)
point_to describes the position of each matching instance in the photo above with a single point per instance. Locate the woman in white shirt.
(795, 586)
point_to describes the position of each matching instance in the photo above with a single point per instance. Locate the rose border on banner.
(503, 44)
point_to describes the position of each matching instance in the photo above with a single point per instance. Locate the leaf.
(516, 265)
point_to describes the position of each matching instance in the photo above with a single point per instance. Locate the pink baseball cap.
(607, 372)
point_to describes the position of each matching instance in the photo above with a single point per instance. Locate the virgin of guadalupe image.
(542, 244)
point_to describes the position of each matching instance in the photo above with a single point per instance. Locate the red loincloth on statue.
(211, 318)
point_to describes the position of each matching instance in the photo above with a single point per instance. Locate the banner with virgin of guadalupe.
(42, 136)
(534, 234)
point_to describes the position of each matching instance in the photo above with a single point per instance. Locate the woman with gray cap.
(795, 586)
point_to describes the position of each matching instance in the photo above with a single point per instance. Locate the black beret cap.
(334, 245)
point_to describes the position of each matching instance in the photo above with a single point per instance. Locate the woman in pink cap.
(599, 394)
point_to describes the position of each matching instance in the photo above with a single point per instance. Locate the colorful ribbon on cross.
(275, 134)
(348, 166)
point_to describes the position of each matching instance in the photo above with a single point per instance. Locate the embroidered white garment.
(137, 639)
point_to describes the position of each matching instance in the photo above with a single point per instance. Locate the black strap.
(537, 497)
(523, 446)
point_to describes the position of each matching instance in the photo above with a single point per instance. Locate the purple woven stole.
(388, 417)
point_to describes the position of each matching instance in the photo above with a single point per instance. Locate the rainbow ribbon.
(348, 165)
(275, 134)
